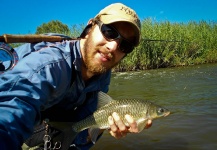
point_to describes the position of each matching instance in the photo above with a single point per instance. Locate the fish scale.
(122, 107)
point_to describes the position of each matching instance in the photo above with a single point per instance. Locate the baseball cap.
(119, 12)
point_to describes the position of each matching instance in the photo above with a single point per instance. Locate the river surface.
(190, 93)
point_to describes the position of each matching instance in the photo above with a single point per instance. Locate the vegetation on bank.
(163, 44)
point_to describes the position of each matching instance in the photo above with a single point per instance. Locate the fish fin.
(141, 124)
(94, 133)
(103, 99)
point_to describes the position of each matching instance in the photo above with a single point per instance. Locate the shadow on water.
(190, 93)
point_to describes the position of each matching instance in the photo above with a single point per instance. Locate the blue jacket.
(40, 80)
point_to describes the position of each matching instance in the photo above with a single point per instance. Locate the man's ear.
(87, 29)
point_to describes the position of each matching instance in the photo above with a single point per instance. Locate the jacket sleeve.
(32, 85)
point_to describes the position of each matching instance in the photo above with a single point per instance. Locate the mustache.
(110, 55)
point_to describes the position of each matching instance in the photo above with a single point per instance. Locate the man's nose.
(112, 45)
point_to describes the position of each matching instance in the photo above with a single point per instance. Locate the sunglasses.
(110, 34)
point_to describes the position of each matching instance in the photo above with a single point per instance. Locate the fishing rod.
(32, 38)
(154, 40)
(9, 57)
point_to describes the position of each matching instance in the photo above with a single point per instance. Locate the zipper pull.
(47, 138)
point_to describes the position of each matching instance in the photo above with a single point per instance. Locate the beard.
(89, 52)
(88, 58)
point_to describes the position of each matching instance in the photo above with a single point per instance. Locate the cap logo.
(128, 11)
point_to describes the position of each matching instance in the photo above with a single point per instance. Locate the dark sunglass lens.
(126, 46)
(109, 32)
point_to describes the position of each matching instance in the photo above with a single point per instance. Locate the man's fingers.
(112, 124)
(148, 124)
(132, 124)
(119, 122)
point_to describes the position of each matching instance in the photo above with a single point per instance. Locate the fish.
(140, 110)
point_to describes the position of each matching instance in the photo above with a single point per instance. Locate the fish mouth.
(166, 114)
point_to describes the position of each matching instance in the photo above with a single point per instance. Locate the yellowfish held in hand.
(140, 110)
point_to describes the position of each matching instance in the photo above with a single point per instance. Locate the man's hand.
(119, 129)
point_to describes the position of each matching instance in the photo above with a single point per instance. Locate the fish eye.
(160, 110)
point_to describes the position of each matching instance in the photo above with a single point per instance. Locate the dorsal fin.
(103, 99)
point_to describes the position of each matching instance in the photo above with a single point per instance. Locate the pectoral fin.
(94, 133)
(141, 124)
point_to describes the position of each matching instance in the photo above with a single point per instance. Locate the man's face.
(100, 55)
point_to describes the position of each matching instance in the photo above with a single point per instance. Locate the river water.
(190, 93)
